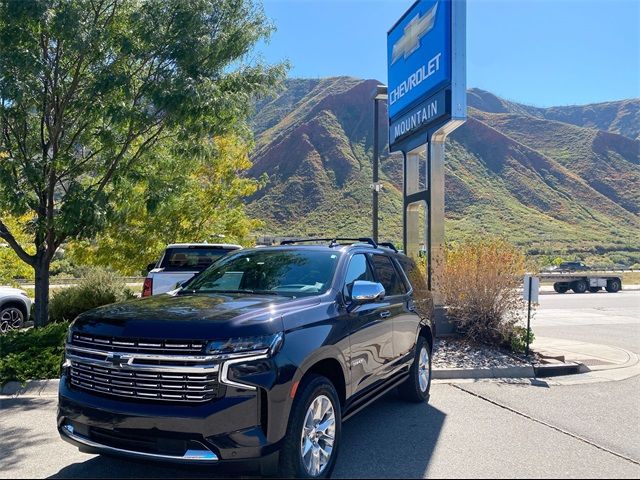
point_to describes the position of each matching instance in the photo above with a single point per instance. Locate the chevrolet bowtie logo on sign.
(417, 28)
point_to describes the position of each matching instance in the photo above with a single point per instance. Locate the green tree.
(179, 200)
(88, 90)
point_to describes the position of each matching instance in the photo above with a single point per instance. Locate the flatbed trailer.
(581, 282)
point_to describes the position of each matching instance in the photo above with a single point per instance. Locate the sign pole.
(529, 313)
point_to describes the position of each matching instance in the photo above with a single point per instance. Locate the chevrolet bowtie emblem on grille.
(417, 28)
(118, 360)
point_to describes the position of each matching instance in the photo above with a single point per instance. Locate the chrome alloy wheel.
(318, 435)
(10, 319)
(423, 369)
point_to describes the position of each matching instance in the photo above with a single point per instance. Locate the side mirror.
(366, 292)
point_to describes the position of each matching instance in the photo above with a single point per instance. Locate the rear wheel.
(579, 286)
(416, 388)
(560, 288)
(614, 285)
(313, 435)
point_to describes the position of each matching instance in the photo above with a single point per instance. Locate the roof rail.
(332, 241)
(388, 245)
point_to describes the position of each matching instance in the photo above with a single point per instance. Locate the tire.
(579, 286)
(11, 318)
(313, 390)
(594, 289)
(614, 285)
(416, 388)
(559, 288)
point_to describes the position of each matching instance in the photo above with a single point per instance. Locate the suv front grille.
(163, 376)
(112, 344)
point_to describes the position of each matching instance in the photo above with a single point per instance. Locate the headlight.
(246, 345)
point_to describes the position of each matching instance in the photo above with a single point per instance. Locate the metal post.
(435, 240)
(376, 167)
(379, 94)
(529, 314)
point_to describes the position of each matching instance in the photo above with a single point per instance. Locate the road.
(462, 433)
(482, 429)
(607, 318)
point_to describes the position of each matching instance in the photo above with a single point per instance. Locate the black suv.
(261, 356)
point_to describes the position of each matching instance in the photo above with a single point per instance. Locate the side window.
(358, 270)
(387, 275)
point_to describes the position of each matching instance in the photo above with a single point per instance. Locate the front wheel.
(11, 318)
(313, 435)
(560, 288)
(416, 388)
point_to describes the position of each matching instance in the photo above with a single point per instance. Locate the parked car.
(572, 267)
(179, 263)
(15, 308)
(262, 356)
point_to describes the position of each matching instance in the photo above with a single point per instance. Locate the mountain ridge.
(551, 186)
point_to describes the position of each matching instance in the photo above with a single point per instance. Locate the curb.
(526, 371)
(32, 388)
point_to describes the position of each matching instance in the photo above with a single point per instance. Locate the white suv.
(180, 262)
(15, 308)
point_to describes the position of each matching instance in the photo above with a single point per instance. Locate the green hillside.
(553, 187)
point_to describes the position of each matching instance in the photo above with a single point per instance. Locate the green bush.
(96, 288)
(32, 354)
(518, 339)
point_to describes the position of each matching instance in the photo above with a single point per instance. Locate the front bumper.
(229, 428)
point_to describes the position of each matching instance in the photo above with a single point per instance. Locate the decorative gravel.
(458, 353)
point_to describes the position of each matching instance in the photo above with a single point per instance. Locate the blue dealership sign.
(424, 63)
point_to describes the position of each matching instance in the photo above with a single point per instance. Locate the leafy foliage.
(96, 288)
(32, 354)
(198, 198)
(518, 339)
(480, 286)
(11, 266)
(88, 91)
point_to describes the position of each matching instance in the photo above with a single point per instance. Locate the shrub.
(481, 287)
(96, 288)
(518, 339)
(32, 354)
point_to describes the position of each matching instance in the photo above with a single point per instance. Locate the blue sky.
(539, 52)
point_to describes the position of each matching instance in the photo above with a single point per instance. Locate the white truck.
(181, 262)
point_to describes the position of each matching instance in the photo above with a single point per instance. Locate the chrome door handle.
(385, 314)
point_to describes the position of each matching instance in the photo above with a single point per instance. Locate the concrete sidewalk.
(599, 363)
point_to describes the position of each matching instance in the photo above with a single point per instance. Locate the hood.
(193, 317)
(11, 291)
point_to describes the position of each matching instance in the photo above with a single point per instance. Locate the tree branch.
(13, 243)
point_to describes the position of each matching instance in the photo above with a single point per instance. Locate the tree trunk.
(41, 267)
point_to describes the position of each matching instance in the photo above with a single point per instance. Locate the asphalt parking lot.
(482, 429)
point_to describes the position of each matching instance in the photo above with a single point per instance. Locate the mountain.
(622, 116)
(560, 180)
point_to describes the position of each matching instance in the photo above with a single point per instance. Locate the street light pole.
(379, 94)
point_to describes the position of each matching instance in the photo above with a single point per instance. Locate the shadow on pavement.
(389, 439)
(17, 441)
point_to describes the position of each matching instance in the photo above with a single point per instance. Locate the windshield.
(284, 272)
(188, 259)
